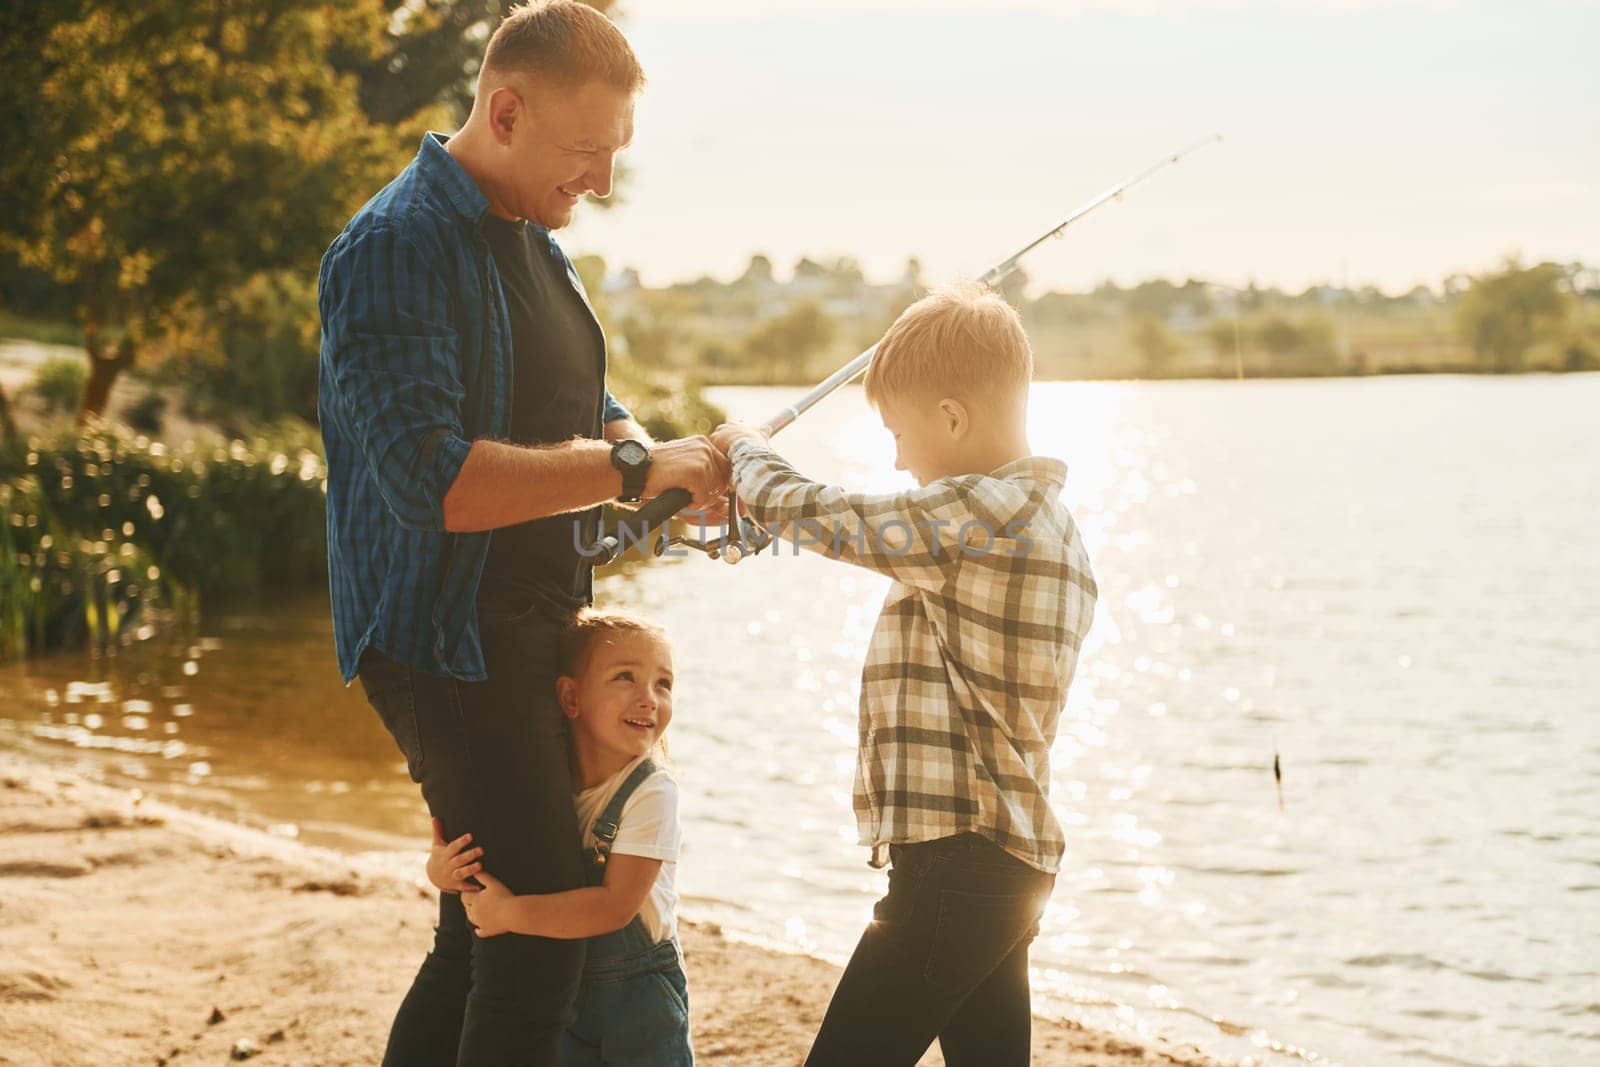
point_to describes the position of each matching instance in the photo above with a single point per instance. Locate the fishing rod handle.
(662, 508)
(653, 515)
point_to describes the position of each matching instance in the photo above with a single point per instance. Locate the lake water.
(1391, 584)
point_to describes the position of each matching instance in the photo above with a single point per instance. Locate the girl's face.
(621, 704)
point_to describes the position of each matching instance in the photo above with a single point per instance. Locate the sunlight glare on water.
(1389, 584)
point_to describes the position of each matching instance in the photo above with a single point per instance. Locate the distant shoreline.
(1409, 372)
(20, 357)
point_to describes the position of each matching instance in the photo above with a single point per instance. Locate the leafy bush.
(1311, 337)
(668, 403)
(1580, 353)
(59, 384)
(1505, 313)
(1155, 344)
(263, 364)
(146, 414)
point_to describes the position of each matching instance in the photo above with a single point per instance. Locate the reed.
(104, 533)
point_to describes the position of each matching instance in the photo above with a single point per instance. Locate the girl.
(632, 1008)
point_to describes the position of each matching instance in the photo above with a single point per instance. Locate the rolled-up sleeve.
(391, 347)
(614, 410)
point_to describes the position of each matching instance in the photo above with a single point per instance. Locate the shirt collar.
(1048, 472)
(440, 168)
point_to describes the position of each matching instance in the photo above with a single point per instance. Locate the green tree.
(429, 53)
(1279, 336)
(1298, 346)
(788, 342)
(1156, 346)
(845, 274)
(258, 362)
(1153, 299)
(8, 422)
(1227, 342)
(156, 155)
(759, 272)
(58, 385)
(807, 268)
(1059, 310)
(717, 354)
(1504, 313)
(22, 26)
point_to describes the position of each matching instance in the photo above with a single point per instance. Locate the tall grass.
(101, 530)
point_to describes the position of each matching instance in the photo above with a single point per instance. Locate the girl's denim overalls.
(633, 1003)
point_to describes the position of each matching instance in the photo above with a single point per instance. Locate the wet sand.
(134, 932)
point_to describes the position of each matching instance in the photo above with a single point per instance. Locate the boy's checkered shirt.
(969, 665)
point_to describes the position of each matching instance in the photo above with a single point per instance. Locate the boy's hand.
(451, 863)
(726, 435)
(486, 906)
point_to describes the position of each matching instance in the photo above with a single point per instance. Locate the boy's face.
(622, 703)
(928, 436)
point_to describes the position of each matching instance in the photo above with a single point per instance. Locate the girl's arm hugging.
(451, 863)
(586, 912)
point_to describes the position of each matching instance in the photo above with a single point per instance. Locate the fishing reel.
(647, 528)
(748, 538)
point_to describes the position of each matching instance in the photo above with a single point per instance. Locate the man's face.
(559, 143)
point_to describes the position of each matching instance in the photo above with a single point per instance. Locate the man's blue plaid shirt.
(416, 365)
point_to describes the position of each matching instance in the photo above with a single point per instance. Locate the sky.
(1364, 142)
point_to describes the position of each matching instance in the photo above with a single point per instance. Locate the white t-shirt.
(648, 828)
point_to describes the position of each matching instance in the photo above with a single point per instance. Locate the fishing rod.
(745, 536)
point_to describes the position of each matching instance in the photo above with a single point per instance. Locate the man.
(463, 392)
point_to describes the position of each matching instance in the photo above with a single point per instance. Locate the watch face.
(632, 453)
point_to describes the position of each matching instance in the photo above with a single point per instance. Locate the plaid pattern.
(416, 365)
(968, 668)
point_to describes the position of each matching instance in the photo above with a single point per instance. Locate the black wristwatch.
(632, 457)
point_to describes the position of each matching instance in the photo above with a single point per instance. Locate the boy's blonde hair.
(567, 41)
(577, 642)
(962, 341)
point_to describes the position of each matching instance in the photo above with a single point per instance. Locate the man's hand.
(730, 433)
(451, 863)
(486, 907)
(691, 463)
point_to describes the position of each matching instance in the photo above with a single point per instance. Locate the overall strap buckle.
(609, 821)
(605, 832)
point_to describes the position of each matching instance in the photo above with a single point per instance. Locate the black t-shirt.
(557, 393)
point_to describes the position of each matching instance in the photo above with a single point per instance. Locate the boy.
(963, 684)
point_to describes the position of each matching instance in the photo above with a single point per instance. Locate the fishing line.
(744, 536)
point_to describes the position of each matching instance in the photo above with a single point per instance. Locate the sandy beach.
(133, 932)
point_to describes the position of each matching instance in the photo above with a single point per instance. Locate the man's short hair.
(565, 40)
(963, 341)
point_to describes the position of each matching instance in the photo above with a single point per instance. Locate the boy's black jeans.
(946, 956)
(491, 758)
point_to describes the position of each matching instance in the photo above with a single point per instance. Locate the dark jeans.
(946, 956)
(491, 758)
